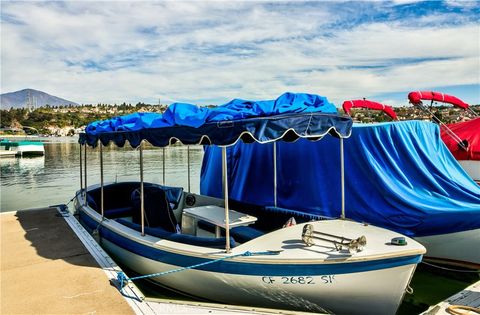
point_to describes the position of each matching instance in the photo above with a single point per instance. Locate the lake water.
(54, 178)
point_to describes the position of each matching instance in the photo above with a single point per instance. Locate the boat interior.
(164, 213)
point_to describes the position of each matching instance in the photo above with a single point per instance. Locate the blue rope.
(122, 278)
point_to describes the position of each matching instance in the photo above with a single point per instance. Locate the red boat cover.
(417, 97)
(347, 105)
(468, 130)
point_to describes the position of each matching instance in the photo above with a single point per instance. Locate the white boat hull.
(461, 248)
(472, 168)
(30, 149)
(379, 291)
(317, 278)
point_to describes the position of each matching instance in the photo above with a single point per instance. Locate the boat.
(21, 148)
(403, 168)
(462, 138)
(230, 251)
(469, 133)
(348, 105)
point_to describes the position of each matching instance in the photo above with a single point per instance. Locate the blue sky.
(208, 52)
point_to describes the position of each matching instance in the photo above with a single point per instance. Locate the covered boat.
(263, 259)
(402, 168)
(469, 132)
(462, 139)
(23, 147)
(348, 105)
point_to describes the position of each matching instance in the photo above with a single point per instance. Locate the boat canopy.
(399, 176)
(347, 106)
(469, 131)
(416, 98)
(289, 117)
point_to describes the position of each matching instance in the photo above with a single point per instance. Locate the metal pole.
(85, 185)
(342, 174)
(163, 174)
(142, 209)
(81, 171)
(275, 174)
(225, 196)
(188, 166)
(101, 180)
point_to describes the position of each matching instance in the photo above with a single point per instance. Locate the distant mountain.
(22, 98)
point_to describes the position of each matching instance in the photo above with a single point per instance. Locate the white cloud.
(211, 52)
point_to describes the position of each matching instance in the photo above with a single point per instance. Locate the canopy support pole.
(142, 209)
(188, 166)
(85, 185)
(163, 165)
(225, 196)
(81, 172)
(449, 131)
(275, 174)
(471, 111)
(342, 174)
(101, 180)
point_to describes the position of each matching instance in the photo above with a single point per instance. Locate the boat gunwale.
(154, 242)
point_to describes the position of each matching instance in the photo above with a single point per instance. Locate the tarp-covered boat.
(402, 168)
(469, 157)
(462, 138)
(317, 265)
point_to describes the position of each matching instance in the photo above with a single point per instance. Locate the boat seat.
(109, 213)
(180, 238)
(119, 212)
(244, 234)
(157, 209)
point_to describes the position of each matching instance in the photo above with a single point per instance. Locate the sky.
(209, 52)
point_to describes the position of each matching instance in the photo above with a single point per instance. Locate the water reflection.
(54, 178)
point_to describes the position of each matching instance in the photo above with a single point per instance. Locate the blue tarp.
(398, 175)
(302, 115)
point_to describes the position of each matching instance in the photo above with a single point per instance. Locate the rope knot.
(247, 253)
(121, 279)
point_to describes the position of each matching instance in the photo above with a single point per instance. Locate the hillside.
(20, 99)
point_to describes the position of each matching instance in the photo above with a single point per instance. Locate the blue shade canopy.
(399, 176)
(289, 117)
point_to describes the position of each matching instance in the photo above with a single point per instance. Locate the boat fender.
(399, 241)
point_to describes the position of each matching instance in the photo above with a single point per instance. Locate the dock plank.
(469, 297)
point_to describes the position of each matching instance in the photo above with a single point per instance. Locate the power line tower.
(31, 102)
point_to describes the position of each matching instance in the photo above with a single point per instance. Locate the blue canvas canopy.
(398, 175)
(289, 117)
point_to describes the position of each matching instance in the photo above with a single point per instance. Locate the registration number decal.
(299, 280)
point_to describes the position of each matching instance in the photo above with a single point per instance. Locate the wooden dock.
(50, 264)
(46, 269)
(466, 302)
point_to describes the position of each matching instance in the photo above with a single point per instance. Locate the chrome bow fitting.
(340, 242)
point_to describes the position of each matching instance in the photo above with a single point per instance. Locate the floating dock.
(50, 264)
(466, 302)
